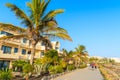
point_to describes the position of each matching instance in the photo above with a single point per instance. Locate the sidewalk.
(82, 74)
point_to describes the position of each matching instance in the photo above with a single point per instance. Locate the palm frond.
(55, 30)
(47, 25)
(20, 14)
(31, 10)
(42, 4)
(34, 7)
(59, 29)
(46, 41)
(44, 7)
(61, 36)
(52, 14)
(77, 50)
(4, 26)
(50, 24)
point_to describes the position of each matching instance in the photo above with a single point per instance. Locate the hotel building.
(16, 49)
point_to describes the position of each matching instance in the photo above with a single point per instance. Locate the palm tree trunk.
(32, 53)
(46, 48)
(27, 77)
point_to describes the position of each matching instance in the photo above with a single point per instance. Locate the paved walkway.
(82, 74)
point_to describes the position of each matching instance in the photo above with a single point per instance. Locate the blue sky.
(93, 23)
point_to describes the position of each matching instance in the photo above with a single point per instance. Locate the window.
(42, 53)
(4, 64)
(15, 50)
(9, 34)
(29, 52)
(6, 49)
(42, 44)
(23, 51)
(24, 40)
(6, 33)
(2, 32)
(56, 48)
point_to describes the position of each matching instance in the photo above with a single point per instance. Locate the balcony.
(15, 56)
(8, 56)
(12, 41)
(25, 57)
(40, 47)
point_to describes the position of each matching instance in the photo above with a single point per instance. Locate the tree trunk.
(46, 48)
(27, 77)
(32, 53)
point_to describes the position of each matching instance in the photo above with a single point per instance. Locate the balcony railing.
(8, 56)
(40, 47)
(12, 41)
(15, 56)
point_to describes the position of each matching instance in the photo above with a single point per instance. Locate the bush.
(51, 69)
(27, 68)
(18, 65)
(55, 69)
(70, 67)
(58, 69)
(83, 66)
(6, 74)
(63, 64)
(51, 54)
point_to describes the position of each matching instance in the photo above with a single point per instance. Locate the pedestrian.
(95, 66)
(92, 66)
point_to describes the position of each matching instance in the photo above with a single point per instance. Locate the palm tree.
(93, 59)
(81, 50)
(65, 52)
(81, 53)
(39, 26)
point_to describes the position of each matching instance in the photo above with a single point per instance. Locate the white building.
(14, 49)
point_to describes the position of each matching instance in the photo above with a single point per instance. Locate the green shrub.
(55, 69)
(5, 74)
(63, 64)
(18, 65)
(70, 67)
(83, 66)
(58, 69)
(52, 69)
(51, 54)
(27, 68)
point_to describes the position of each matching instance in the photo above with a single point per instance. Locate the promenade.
(82, 74)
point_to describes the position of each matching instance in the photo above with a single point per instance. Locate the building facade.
(19, 49)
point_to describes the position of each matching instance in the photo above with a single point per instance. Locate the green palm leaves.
(39, 25)
(38, 22)
(4, 26)
(52, 14)
(82, 53)
(20, 14)
(80, 48)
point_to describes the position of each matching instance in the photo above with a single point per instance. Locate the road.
(82, 74)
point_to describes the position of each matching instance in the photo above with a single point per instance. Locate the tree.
(19, 65)
(27, 69)
(53, 54)
(41, 65)
(6, 74)
(82, 54)
(81, 50)
(93, 59)
(39, 26)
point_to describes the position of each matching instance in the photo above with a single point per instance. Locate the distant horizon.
(114, 58)
(93, 23)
